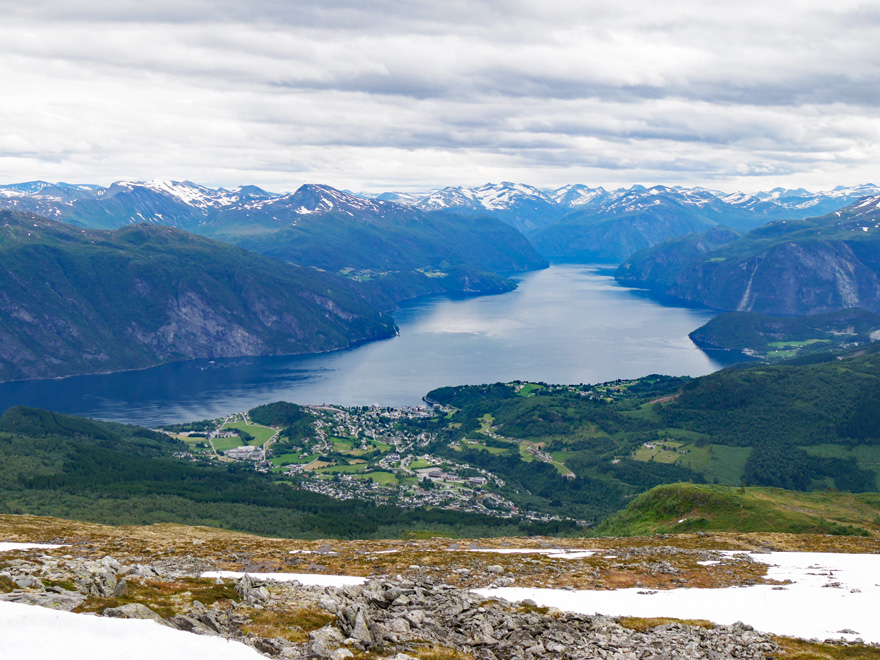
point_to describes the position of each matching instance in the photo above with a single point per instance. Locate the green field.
(418, 464)
(646, 412)
(721, 462)
(529, 388)
(796, 344)
(346, 446)
(340, 469)
(261, 433)
(222, 444)
(380, 477)
(287, 459)
(381, 446)
(477, 445)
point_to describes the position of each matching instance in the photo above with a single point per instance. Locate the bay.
(565, 324)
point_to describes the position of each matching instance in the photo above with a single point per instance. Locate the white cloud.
(372, 96)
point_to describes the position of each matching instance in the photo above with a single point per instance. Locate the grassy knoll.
(680, 508)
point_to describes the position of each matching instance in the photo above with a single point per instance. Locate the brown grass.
(433, 557)
(293, 625)
(165, 598)
(798, 649)
(640, 624)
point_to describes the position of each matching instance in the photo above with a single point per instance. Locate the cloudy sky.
(378, 95)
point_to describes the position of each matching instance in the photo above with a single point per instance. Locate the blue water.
(566, 324)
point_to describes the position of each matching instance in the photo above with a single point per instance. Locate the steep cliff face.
(805, 267)
(81, 301)
(791, 278)
(659, 267)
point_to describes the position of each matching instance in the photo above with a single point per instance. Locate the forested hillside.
(782, 337)
(85, 301)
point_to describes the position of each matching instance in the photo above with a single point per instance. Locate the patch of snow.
(40, 633)
(8, 547)
(556, 553)
(830, 592)
(308, 579)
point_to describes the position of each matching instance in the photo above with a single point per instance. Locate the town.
(371, 453)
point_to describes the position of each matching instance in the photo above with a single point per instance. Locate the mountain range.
(570, 223)
(370, 253)
(792, 267)
(396, 252)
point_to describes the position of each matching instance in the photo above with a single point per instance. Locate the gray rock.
(341, 654)
(361, 631)
(121, 588)
(188, 624)
(324, 641)
(66, 601)
(132, 611)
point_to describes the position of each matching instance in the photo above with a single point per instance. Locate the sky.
(413, 95)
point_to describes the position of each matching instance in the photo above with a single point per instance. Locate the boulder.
(132, 611)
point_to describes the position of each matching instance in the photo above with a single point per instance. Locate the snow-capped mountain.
(578, 195)
(489, 197)
(660, 211)
(315, 198)
(801, 202)
(192, 194)
(525, 207)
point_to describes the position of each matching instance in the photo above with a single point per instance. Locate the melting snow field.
(8, 547)
(832, 595)
(307, 579)
(555, 553)
(38, 633)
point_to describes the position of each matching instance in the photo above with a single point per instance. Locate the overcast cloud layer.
(397, 95)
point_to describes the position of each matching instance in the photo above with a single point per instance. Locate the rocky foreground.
(383, 617)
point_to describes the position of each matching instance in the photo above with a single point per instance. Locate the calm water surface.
(566, 324)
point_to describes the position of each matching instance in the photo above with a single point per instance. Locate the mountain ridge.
(87, 301)
(793, 267)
